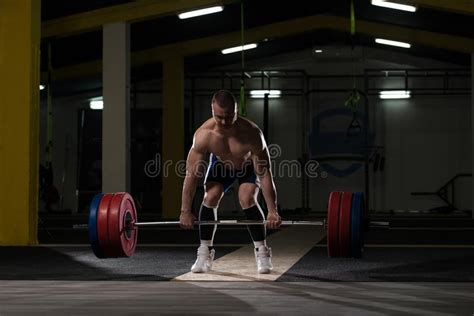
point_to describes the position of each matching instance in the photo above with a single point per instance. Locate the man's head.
(224, 108)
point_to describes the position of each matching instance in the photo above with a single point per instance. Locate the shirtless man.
(237, 152)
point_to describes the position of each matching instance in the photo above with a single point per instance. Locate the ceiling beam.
(275, 31)
(417, 37)
(305, 25)
(130, 12)
(456, 6)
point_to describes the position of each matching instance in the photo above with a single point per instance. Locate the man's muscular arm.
(194, 170)
(261, 161)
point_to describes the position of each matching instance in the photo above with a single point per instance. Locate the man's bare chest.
(230, 148)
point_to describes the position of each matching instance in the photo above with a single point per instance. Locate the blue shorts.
(226, 175)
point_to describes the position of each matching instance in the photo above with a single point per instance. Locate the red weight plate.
(128, 236)
(102, 224)
(333, 223)
(114, 224)
(345, 225)
(122, 210)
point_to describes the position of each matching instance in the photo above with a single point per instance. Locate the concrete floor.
(308, 298)
(430, 273)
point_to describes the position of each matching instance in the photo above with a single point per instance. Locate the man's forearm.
(269, 192)
(189, 189)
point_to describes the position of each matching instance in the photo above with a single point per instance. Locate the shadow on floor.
(79, 263)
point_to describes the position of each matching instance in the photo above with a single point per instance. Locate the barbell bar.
(132, 225)
(233, 222)
(230, 223)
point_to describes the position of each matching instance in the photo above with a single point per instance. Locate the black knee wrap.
(257, 232)
(206, 232)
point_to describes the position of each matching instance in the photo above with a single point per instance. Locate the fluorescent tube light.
(394, 5)
(261, 93)
(194, 13)
(238, 48)
(392, 43)
(395, 94)
(96, 104)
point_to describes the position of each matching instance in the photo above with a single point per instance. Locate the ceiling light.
(42, 86)
(238, 48)
(392, 43)
(96, 103)
(394, 5)
(318, 51)
(192, 14)
(395, 94)
(261, 93)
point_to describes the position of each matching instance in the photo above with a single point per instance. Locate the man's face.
(225, 116)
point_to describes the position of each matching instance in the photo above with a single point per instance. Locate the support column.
(173, 134)
(116, 113)
(19, 121)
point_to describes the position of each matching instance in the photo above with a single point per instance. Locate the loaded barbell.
(113, 225)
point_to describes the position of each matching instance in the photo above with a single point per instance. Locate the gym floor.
(414, 270)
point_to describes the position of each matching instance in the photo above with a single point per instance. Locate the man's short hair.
(224, 98)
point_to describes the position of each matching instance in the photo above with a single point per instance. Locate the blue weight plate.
(93, 237)
(357, 238)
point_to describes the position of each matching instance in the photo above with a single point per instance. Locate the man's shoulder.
(206, 127)
(202, 136)
(253, 133)
(248, 124)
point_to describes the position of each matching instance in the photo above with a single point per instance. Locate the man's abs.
(231, 160)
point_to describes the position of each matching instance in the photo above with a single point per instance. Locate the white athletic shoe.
(264, 259)
(204, 260)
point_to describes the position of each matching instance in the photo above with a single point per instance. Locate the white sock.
(258, 244)
(206, 243)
